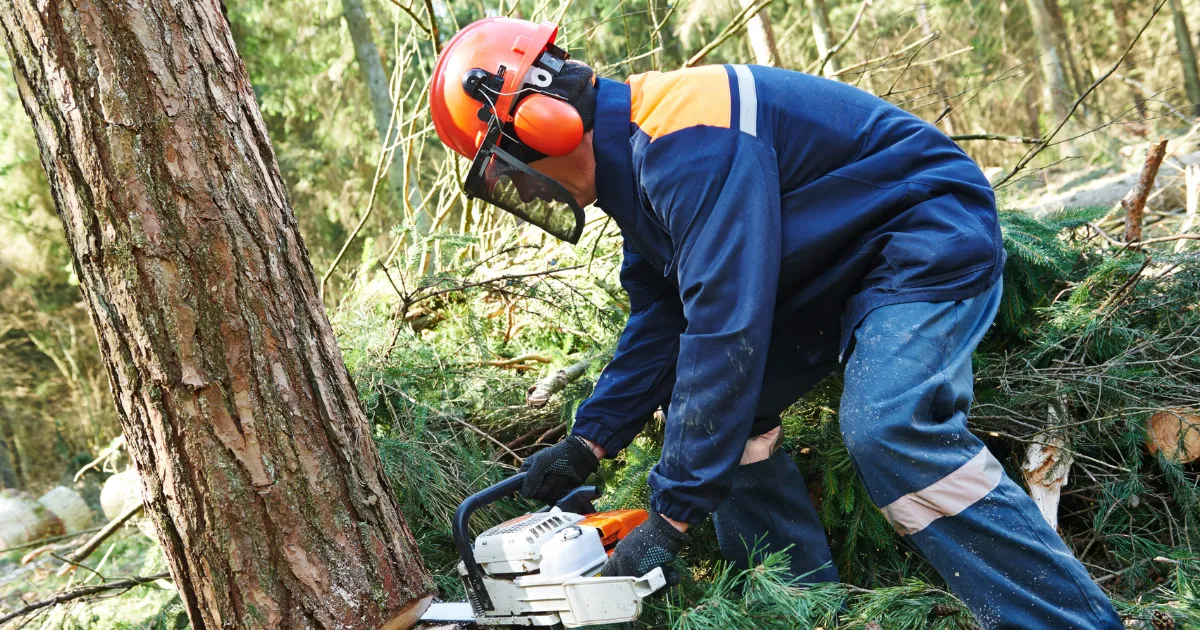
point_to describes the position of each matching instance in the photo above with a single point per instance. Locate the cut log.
(120, 491)
(69, 507)
(1047, 469)
(1175, 432)
(22, 519)
(1047, 466)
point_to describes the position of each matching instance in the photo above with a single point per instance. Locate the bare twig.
(433, 27)
(116, 444)
(416, 20)
(86, 591)
(892, 55)
(503, 278)
(833, 50)
(736, 24)
(996, 136)
(51, 539)
(1135, 202)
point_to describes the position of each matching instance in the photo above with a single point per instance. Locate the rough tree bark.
(260, 474)
(1187, 56)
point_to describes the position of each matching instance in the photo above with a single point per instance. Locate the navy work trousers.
(908, 390)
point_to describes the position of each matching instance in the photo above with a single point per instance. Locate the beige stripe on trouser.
(947, 496)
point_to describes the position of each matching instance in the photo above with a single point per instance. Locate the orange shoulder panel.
(662, 102)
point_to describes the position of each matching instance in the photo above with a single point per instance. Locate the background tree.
(260, 474)
(1187, 56)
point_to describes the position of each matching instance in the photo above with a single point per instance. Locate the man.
(775, 225)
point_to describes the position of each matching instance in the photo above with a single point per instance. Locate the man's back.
(877, 206)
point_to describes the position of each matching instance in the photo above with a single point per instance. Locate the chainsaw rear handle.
(579, 498)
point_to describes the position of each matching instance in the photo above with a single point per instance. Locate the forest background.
(447, 311)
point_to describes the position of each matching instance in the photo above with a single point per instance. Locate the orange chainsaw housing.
(614, 525)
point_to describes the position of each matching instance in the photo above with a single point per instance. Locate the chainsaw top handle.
(579, 501)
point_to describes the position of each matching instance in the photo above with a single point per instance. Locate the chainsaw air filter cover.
(514, 547)
(571, 551)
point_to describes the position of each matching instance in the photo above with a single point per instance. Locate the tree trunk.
(823, 33)
(376, 78)
(260, 473)
(762, 37)
(1063, 37)
(8, 470)
(1056, 101)
(1187, 56)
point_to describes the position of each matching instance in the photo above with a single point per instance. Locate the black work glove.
(655, 543)
(554, 472)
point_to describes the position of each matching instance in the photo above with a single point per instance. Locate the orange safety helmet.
(525, 54)
(489, 89)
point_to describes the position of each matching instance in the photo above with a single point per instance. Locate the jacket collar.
(614, 153)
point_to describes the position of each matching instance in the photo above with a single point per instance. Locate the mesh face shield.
(506, 182)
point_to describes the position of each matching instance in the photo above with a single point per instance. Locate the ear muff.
(548, 125)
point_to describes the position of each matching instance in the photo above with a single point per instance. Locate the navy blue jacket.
(765, 212)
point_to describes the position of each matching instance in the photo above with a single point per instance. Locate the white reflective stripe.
(747, 100)
(947, 496)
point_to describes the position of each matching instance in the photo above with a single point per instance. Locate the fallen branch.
(1135, 202)
(526, 437)
(521, 360)
(88, 547)
(1138, 244)
(51, 539)
(540, 394)
(552, 434)
(78, 593)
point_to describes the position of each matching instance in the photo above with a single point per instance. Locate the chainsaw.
(541, 569)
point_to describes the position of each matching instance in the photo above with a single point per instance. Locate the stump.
(24, 520)
(1175, 432)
